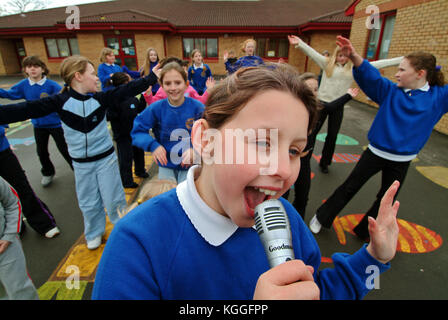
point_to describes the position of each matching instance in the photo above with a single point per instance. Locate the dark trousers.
(302, 185)
(334, 124)
(126, 153)
(367, 166)
(42, 135)
(35, 210)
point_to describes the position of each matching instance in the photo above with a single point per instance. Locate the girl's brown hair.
(233, 93)
(173, 66)
(35, 61)
(420, 60)
(105, 52)
(149, 190)
(118, 78)
(70, 66)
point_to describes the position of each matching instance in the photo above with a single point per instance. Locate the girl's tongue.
(253, 198)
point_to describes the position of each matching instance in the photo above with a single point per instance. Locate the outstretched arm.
(309, 51)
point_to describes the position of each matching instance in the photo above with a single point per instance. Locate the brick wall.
(9, 63)
(419, 25)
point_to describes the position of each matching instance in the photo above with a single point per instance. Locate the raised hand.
(294, 40)
(159, 156)
(348, 50)
(384, 229)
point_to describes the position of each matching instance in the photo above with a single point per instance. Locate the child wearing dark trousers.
(122, 119)
(37, 86)
(408, 111)
(35, 210)
(303, 183)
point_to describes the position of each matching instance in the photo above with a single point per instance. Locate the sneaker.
(52, 233)
(95, 243)
(315, 225)
(46, 180)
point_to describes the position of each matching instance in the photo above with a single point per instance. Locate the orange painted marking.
(412, 238)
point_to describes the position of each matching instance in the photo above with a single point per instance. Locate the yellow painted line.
(404, 244)
(428, 236)
(438, 175)
(352, 220)
(339, 231)
(414, 234)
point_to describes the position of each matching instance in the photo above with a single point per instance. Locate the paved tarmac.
(418, 270)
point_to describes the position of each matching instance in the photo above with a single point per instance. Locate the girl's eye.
(294, 152)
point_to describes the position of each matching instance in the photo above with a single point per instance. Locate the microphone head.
(274, 230)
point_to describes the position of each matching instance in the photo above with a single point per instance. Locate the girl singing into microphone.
(198, 242)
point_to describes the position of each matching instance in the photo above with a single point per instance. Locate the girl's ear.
(78, 76)
(422, 74)
(201, 140)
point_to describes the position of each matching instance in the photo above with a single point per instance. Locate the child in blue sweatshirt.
(37, 86)
(199, 242)
(198, 72)
(151, 60)
(408, 111)
(108, 67)
(249, 60)
(171, 120)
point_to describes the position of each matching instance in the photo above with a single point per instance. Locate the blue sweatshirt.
(163, 119)
(246, 61)
(156, 252)
(198, 77)
(104, 71)
(24, 90)
(4, 143)
(405, 120)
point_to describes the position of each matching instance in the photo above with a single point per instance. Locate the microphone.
(274, 230)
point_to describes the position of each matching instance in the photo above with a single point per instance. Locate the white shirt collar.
(109, 64)
(201, 66)
(425, 88)
(212, 226)
(40, 82)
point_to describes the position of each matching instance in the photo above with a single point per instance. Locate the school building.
(176, 27)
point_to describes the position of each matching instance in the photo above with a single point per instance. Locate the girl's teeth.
(266, 191)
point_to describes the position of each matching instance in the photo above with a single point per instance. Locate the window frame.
(379, 44)
(59, 57)
(121, 54)
(267, 38)
(205, 57)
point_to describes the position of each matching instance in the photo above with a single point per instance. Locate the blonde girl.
(248, 60)
(336, 80)
(82, 110)
(151, 60)
(108, 67)
(198, 241)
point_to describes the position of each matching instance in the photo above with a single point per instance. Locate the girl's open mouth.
(253, 196)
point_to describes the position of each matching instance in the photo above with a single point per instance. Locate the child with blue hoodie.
(249, 60)
(408, 112)
(37, 86)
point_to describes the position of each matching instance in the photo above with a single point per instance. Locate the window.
(61, 47)
(272, 47)
(379, 39)
(124, 50)
(207, 46)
